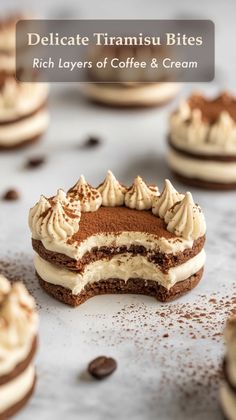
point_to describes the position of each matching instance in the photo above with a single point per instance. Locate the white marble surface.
(157, 378)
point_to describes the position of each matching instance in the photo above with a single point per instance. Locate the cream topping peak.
(166, 200)
(112, 192)
(89, 197)
(54, 220)
(68, 202)
(223, 132)
(36, 216)
(140, 196)
(18, 317)
(59, 223)
(186, 219)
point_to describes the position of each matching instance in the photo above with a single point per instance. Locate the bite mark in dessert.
(228, 389)
(18, 343)
(202, 141)
(122, 240)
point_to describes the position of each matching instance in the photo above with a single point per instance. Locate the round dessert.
(228, 389)
(114, 239)
(23, 112)
(18, 343)
(7, 45)
(202, 142)
(131, 87)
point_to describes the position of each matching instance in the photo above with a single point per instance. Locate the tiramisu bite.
(114, 239)
(23, 112)
(18, 342)
(202, 142)
(131, 87)
(228, 389)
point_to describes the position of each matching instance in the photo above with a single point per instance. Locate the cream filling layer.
(15, 356)
(142, 94)
(26, 129)
(127, 239)
(202, 169)
(228, 401)
(122, 266)
(15, 390)
(205, 148)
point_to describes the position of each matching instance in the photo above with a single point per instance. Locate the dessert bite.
(202, 142)
(18, 343)
(23, 112)
(114, 239)
(228, 389)
(129, 87)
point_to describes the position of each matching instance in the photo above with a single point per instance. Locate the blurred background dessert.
(129, 86)
(8, 44)
(18, 344)
(24, 116)
(228, 389)
(23, 112)
(202, 142)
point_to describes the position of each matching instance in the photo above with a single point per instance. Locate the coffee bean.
(11, 195)
(35, 162)
(101, 367)
(91, 142)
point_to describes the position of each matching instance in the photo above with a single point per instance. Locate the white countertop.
(157, 378)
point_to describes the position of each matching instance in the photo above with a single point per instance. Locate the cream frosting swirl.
(140, 196)
(186, 219)
(112, 192)
(18, 318)
(68, 202)
(56, 219)
(36, 216)
(59, 223)
(166, 200)
(89, 197)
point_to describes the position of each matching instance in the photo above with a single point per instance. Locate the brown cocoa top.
(212, 108)
(108, 220)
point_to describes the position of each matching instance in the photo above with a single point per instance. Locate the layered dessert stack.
(23, 106)
(114, 239)
(23, 112)
(18, 342)
(228, 390)
(202, 141)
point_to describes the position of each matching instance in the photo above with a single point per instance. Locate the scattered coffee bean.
(35, 162)
(101, 367)
(11, 195)
(91, 142)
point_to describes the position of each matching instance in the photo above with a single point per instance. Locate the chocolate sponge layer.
(163, 261)
(118, 286)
